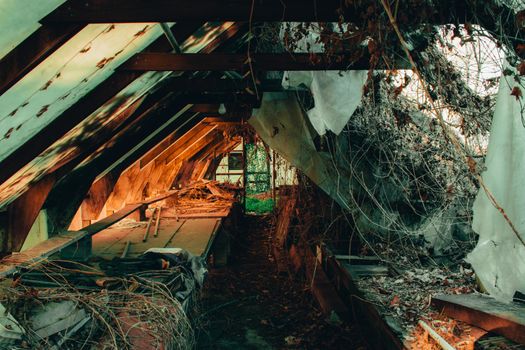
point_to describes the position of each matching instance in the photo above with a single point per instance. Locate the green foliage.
(259, 206)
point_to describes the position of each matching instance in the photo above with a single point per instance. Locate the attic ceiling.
(52, 108)
(89, 87)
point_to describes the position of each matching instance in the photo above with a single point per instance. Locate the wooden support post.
(97, 196)
(157, 224)
(22, 213)
(146, 234)
(139, 215)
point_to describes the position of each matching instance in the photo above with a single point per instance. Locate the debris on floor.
(250, 305)
(130, 303)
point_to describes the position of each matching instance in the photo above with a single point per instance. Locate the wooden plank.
(39, 253)
(365, 270)
(219, 61)
(33, 50)
(485, 312)
(377, 329)
(185, 84)
(112, 219)
(110, 11)
(195, 235)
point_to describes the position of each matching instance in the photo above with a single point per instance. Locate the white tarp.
(499, 257)
(336, 94)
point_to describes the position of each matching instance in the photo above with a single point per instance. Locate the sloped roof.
(56, 87)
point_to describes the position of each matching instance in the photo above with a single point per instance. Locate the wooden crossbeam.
(113, 11)
(218, 61)
(33, 50)
(223, 85)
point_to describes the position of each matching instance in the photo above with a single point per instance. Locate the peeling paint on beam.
(33, 50)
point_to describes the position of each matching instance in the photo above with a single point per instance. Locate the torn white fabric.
(499, 257)
(336, 96)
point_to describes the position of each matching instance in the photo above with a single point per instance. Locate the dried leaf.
(516, 92)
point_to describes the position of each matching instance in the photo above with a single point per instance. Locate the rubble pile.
(126, 303)
(405, 298)
(202, 196)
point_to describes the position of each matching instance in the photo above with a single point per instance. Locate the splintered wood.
(441, 332)
(202, 199)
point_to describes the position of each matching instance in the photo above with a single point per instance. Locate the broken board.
(486, 313)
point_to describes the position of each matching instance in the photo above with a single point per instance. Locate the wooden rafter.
(33, 50)
(78, 112)
(178, 136)
(216, 85)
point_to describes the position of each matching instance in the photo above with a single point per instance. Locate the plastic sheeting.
(336, 95)
(499, 257)
(282, 126)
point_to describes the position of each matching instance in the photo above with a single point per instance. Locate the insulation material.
(499, 257)
(336, 95)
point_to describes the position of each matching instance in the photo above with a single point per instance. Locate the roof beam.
(33, 50)
(218, 61)
(223, 85)
(113, 11)
(77, 183)
(78, 112)
(163, 146)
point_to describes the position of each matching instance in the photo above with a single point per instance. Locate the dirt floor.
(248, 305)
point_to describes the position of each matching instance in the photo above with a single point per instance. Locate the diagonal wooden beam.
(218, 61)
(33, 50)
(166, 144)
(78, 112)
(187, 144)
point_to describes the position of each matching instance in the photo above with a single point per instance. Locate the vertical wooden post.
(244, 172)
(274, 175)
(22, 213)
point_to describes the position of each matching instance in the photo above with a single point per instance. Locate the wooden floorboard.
(194, 235)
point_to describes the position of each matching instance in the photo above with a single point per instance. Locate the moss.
(259, 206)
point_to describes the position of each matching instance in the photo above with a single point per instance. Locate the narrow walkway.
(249, 306)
